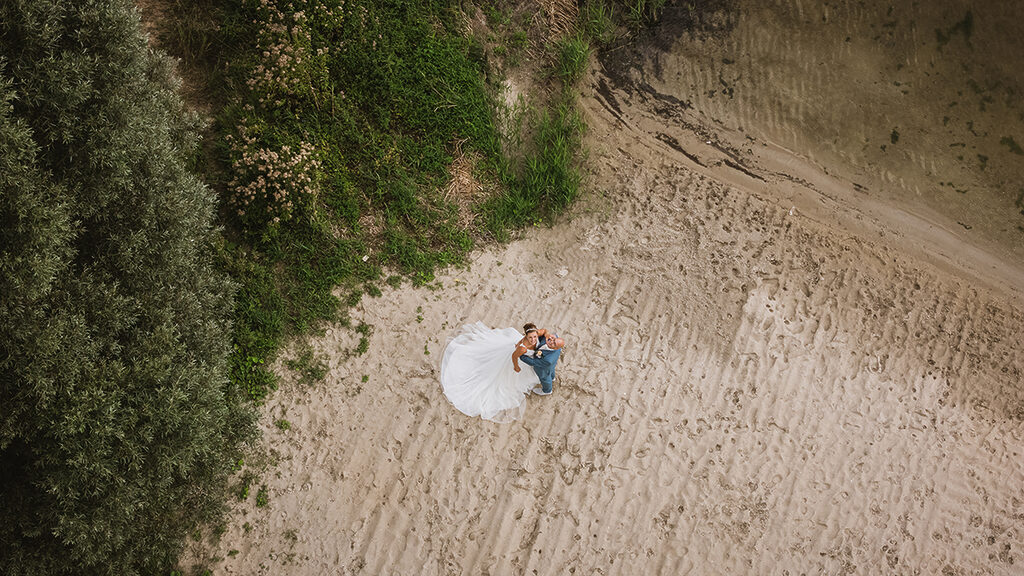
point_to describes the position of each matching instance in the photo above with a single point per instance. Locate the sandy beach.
(784, 357)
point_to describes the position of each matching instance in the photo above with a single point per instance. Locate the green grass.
(244, 484)
(508, 36)
(364, 331)
(549, 179)
(311, 368)
(641, 13)
(597, 21)
(573, 53)
(262, 497)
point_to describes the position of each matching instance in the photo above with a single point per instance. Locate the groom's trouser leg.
(546, 375)
(547, 379)
(541, 367)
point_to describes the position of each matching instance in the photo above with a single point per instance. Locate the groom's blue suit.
(543, 366)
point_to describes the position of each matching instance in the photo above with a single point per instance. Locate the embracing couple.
(540, 349)
(478, 378)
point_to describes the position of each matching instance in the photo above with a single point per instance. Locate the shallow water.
(917, 102)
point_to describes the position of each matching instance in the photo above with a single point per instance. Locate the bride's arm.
(520, 350)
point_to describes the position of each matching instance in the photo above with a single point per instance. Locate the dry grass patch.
(562, 15)
(464, 190)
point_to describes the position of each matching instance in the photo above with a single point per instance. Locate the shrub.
(118, 423)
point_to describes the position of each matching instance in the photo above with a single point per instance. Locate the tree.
(118, 423)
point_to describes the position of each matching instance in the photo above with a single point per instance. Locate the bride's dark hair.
(528, 328)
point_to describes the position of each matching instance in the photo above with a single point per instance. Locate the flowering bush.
(287, 64)
(288, 81)
(269, 183)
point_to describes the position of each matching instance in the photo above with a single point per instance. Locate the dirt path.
(768, 373)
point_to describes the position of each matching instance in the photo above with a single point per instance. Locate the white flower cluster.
(279, 43)
(285, 48)
(270, 184)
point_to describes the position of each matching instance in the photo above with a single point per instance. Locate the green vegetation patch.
(549, 179)
(339, 127)
(573, 53)
(641, 13)
(310, 367)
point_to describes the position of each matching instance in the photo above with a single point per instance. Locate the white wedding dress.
(477, 374)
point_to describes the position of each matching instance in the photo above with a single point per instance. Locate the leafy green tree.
(118, 423)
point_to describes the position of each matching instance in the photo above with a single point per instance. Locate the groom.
(546, 348)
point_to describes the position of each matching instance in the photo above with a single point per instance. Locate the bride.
(478, 377)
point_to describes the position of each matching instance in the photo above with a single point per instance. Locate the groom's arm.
(554, 342)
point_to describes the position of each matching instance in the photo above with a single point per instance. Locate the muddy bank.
(915, 105)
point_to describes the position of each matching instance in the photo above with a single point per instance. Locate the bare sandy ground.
(769, 372)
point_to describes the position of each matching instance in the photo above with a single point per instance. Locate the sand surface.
(773, 368)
